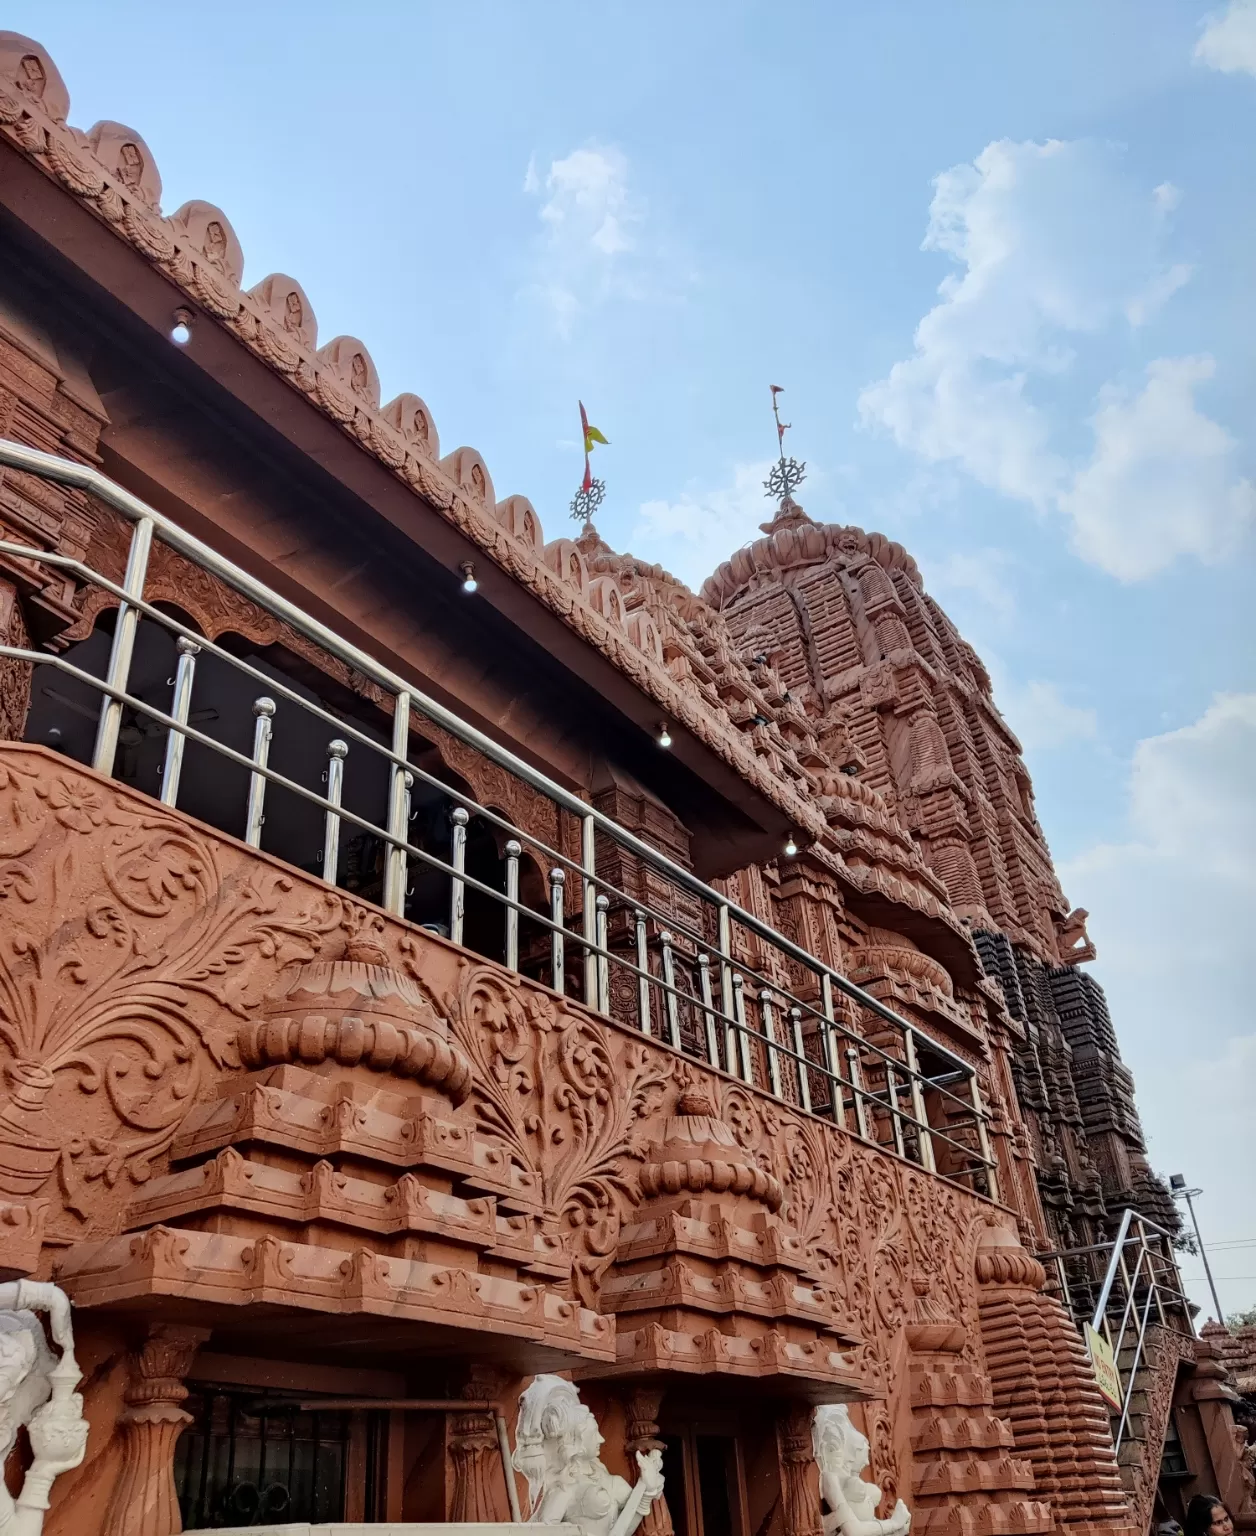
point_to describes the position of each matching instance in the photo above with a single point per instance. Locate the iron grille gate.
(250, 1459)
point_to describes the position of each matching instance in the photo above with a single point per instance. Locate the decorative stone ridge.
(357, 1010)
(1044, 1387)
(111, 171)
(699, 1155)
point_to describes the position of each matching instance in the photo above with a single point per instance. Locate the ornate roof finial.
(592, 492)
(787, 474)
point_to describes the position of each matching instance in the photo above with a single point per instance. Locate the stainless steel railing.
(1120, 1287)
(688, 959)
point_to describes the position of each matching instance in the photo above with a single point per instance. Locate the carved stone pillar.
(800, 1482)
(643, 1435)
(144, 1502)
(474, 1452)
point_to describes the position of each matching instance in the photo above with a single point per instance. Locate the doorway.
(705, 1482)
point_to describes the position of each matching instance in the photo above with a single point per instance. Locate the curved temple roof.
(726, 664)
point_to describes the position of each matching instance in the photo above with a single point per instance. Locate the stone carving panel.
(128, 955)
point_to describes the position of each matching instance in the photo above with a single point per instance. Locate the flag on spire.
(591, 436)
(589, 497)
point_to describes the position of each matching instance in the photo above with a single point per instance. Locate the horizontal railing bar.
(432, 861)
(338, 722)
(87, 478)
(272, 775)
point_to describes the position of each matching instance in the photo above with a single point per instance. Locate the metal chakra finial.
(592, 492)
(787, 474)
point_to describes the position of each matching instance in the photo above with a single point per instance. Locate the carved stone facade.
(284, 1150)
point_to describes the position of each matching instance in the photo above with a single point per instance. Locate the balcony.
(367, 805)
(553, 958)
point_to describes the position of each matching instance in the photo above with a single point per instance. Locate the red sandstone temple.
(405, 1058)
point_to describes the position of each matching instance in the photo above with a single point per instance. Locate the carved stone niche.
(708, 1276)
(356, 1011)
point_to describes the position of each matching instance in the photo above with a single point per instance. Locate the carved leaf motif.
(564, 1094)
(130, 991)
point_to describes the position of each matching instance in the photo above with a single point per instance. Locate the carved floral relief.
(128, 954)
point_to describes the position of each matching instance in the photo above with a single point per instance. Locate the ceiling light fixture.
(182, 331)
(469, 583)
(791, 847)
(664, 737)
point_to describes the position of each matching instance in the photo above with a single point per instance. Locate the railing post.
(924, 1139)
(800, 1059)
(983, 1140)
(743, 1034)
(708, 1010)
(891, 1098)
(769, 1035)
(399, 783)
(558, 960)
(513, 849)
(123, 647)
(588, 864)
(644, 1020)
(180, 708)
(724, 938)
(855, 1073)
(832, 1053)
(263, 730)
(670, 1002)
(458, 859)
(337, 751)
(602, 908)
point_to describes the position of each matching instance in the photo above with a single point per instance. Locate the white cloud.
(1042, 717)
(692, 535)
(985, 574)
(1161, 482)
(1172, 912)
(1054, 245)
(1228, 41)
(588, 217)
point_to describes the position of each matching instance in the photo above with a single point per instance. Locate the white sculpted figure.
(556, 1448)
(37, 1390)
(841, 1455)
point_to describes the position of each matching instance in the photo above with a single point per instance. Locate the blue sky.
(1000, 258)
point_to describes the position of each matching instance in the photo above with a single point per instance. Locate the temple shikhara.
(489, 1035)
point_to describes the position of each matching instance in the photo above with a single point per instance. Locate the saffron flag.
(591, 436)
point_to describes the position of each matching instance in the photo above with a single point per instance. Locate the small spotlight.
(664, 737)
(791, 847)
(1177, 1181)
(182, 332)
(469, 583)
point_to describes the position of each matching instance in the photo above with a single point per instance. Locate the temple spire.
(786, 476)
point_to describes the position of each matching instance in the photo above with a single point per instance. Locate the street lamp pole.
(1177, 1183)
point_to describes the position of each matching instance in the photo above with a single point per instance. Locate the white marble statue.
(557, 1442)
(37, 1390)
(841, 1455)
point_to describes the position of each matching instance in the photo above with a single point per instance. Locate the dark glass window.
(244, 1462)
(674, 1483)
(716, 1473)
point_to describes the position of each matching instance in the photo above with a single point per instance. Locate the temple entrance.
(252, 1458)
(705, 1484)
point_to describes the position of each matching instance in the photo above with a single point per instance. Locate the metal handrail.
(1152, 1283)
(903, 1077)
